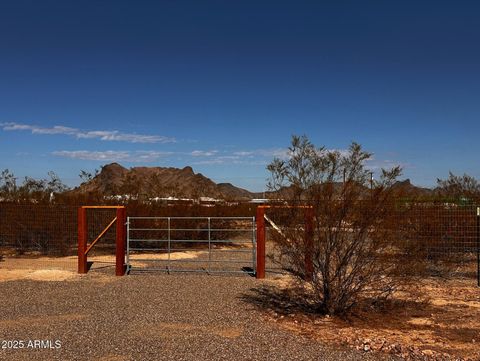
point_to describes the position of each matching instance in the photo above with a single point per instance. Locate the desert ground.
(185, 316)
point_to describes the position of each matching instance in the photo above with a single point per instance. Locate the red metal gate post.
(120, 242)
(260, 242)
(82, 240)
(309, 214)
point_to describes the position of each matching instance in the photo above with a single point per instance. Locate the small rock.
(378, 345)
(428, 352)
(366, 348)
(417, 352)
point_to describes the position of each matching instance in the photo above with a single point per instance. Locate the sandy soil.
(437, 319)
(65, 268)
(38, 268)
(36, 275)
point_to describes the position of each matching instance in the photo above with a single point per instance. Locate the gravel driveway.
(149, 317)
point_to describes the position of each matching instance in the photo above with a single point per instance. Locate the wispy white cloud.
(264, 153)
(241, 157)
(203, 153)
(105, 135)
(232, 159)
(113, 155)
(109, 155)
(244, 153)
(257, 157)
(214, 161)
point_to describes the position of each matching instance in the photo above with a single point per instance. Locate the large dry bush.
(355, 250)
(459, 188)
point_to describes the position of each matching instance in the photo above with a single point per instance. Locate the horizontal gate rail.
(189, 240)
(189, 249)
(152, 244)
(195, 260)
(192, 229)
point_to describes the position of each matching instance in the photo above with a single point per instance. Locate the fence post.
(82, 240)
(120, 242)
(478, 246)
(260, 242)
(309, 214)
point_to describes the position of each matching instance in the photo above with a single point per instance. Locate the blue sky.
(222, 85)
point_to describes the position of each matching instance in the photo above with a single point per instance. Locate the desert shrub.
(354, 247)
(459, 188)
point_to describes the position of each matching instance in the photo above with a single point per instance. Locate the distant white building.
(260, 200)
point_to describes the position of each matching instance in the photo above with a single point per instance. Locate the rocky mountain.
(115, 179)
(407, 189)
(151, 182)
(404, 189)
(229, 191)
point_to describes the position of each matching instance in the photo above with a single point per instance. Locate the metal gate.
(191, 244)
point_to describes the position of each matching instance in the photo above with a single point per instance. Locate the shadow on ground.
(282, 301)
(442, 319)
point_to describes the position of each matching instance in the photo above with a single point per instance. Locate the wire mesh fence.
(45, 236)
(430, 237)
(443, 230)
(445, 237)
(37, 234)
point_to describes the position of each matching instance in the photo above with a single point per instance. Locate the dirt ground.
(436, 319)
(65, 268)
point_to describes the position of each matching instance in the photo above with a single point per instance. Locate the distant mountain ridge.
(115, 179)
(406, 188)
